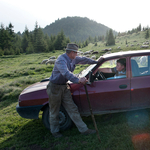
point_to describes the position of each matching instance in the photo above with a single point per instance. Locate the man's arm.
(63, 69)
(84, 60)
(105, 70)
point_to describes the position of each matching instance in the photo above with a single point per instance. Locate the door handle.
(123, 86)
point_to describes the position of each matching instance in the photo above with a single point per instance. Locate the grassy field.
(120, 131)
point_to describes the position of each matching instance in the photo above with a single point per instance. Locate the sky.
(119, 15)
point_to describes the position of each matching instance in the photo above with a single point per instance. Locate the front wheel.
(64, 120)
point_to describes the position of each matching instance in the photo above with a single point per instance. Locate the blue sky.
(120, 15)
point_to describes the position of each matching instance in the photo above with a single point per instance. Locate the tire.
(64, 119)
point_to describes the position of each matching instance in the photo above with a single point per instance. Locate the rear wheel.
(64, 119)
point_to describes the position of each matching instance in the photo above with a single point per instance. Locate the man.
(59, 94)
(119, 70)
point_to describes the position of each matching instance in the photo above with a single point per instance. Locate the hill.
(125, 42)
(77, 28)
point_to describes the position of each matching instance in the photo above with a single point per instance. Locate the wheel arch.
(46, 105)
(65, 125)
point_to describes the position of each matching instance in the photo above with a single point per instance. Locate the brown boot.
(88, 131)
(57, 135)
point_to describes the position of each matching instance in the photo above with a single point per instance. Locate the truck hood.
(35, 87)
(34, 95)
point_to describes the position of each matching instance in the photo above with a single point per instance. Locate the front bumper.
(29, 112)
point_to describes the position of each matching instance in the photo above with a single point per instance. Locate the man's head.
(71, 50)
(121, 64)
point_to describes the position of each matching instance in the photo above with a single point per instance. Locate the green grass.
(120, 131)
(116, 132)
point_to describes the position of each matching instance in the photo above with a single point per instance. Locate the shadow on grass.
(115, 131)
(8, 102)
(34, 136)
(31, 135)
(9, 56)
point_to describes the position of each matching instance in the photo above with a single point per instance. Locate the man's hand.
(99, 60)
(83, 80)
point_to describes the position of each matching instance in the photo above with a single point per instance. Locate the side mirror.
(91, 77)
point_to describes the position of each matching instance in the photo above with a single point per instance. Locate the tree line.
(136, 30)
(36, 41)
(109, 38)
(29, 42)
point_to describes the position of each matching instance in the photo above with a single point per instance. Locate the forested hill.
(77, 28)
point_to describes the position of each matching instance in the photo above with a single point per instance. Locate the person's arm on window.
(105, 70)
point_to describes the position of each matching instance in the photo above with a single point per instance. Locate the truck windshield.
(84, 72)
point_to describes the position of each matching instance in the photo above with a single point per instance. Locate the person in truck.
(119, 70)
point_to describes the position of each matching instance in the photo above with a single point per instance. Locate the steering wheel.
(100, 75)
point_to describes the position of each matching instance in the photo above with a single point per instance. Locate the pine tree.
(48, 42)
(147, 34)
(25, 40)
(107, 35)
(63, 38)
(2, 37)
(86, 43)
(6, 37)
(80, 44)
(110, 39)
(95, 39)
(52, 42)
(35, 34)
(10, 30)
(10, 36)
(39, 44)
(61, 41)
(30, 48)
(139, 27)
(24, 43)
(17, 44)
(17, 51)
(90, 39)
(1, 52)
(58, 42)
